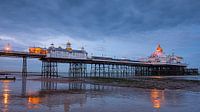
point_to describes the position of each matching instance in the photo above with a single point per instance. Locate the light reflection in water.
(6, 94)
(77, 96)
(33, 102)
(157, 98)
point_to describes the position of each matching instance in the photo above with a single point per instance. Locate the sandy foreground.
(146, 83)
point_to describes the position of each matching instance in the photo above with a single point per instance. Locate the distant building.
(67, 52)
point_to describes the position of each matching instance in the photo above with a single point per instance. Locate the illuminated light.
(159, 49)
(7, 48)
(158, 52)
(5, 81)
(157, 97)
(6, 95)
(34, 100)
(156, 104)
(37, 50)
(5, 98)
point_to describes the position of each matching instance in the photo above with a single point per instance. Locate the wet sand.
(145, 83)
(150, 83)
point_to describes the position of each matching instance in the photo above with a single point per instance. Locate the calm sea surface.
(25, 95)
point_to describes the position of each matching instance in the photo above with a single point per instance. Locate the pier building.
(67, 52)
(59, 52)
(159, 57)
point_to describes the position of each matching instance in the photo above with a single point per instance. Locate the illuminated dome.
(158, 56)
(158, 52)
(159, 49)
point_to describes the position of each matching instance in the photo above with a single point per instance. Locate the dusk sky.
(121, 28)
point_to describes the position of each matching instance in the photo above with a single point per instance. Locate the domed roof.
(158, 52)
(68, 43)
(159, 49)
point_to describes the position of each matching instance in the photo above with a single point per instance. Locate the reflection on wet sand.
(23, 86)
(33, 102)
(79, 96)
(76, 93)
(6, 95)
(157, 98)
(51, 96)
(47, 85)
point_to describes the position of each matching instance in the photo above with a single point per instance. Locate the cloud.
(131, 26)
(90, 19)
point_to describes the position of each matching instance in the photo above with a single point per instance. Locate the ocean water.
(28, 95)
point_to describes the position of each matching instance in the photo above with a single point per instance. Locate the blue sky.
(121, 28)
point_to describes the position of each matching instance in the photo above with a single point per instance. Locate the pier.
(110, 68)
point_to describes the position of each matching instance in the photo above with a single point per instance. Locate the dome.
(159, 49)
(68, 43)
(158, 52)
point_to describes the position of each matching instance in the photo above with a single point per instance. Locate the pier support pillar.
(24, 66)
(49, 69)
(77, 70)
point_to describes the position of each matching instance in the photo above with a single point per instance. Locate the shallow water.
(30, 95)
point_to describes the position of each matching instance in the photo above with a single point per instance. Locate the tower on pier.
(68, 47)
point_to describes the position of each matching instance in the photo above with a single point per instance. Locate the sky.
(121, 28)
